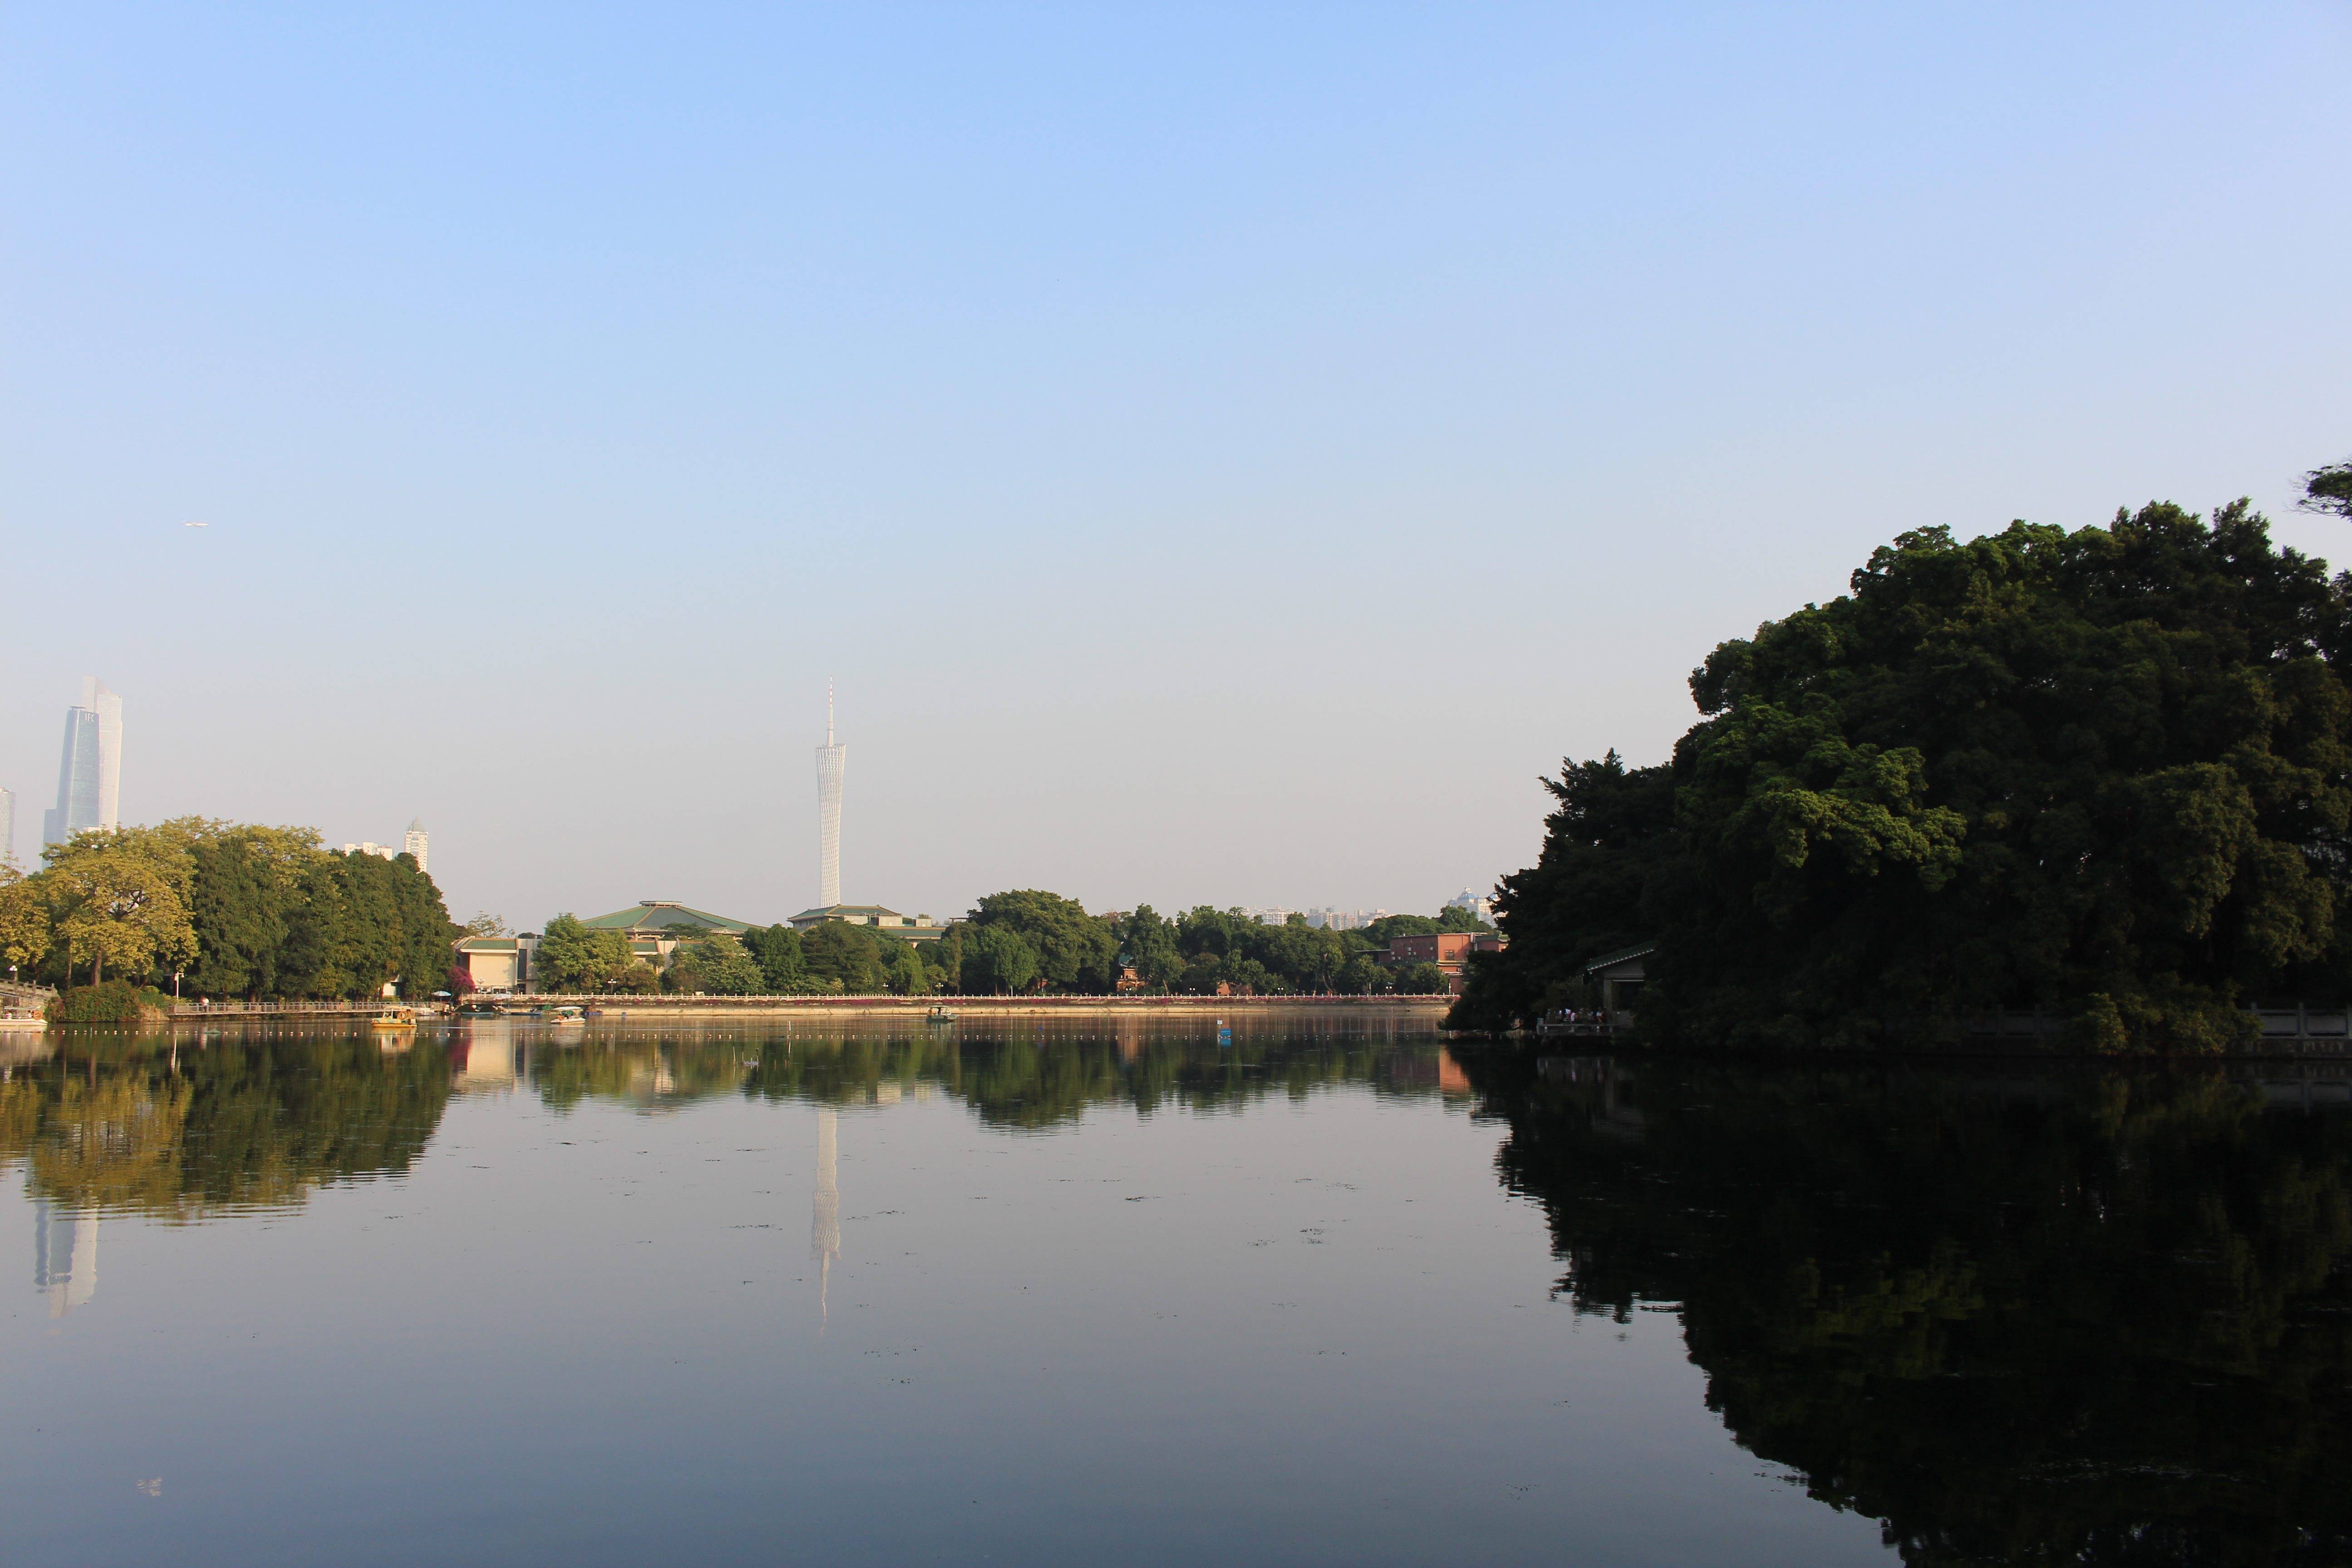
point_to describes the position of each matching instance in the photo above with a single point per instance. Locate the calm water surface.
(1108, 1293)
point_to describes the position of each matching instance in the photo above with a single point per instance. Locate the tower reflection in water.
(65, 1255)
(825, 1209)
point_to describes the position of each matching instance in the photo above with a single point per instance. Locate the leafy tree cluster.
(2108, 774)
(237, 908)
(1014, 943)
(573, 958)
(835, 958)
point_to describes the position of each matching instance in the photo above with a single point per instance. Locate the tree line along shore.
(2106, 775)
(1020, 942)
(222, 909)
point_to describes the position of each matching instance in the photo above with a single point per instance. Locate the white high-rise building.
(831, 762)
(412, 844)
(89, 775)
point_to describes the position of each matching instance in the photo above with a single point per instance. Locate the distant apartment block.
(1469, 901)
(89, 775)
(412, 843)
(1343, 920)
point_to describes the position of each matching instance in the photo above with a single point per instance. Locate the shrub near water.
(112, 1002)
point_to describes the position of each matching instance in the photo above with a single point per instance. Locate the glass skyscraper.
(89, 776)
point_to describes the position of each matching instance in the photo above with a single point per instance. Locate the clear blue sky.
(1222, 453)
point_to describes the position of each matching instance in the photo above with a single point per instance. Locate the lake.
(1092, 1291)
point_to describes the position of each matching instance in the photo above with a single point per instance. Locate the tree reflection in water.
(2021, 1316)
(179, 1128)
(1016, 1074)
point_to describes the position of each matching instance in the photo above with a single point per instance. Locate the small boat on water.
(567, 1014)
(394, 1018)
(940, 1015)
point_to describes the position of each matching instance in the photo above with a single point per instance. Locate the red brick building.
(1449, 949)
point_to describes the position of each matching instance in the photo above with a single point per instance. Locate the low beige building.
(906, 928)
(496, 962)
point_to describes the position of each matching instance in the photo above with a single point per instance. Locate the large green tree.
(361, 922)
(1148, 942)
(846, 958)
(716, 964)
(119, 898)
(777, 949)
(574, 958)
(998, 961)
(1076, 950)
(2108, 774)
(1609, 829)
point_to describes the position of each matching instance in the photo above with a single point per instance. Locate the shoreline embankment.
(606, 1007)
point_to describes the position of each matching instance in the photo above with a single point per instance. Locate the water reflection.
(2060, 1316)
(176, 1129)
(1015, 1074)
(2017, 1315)
(65, 1257)
(825, 1207)
(180, 1127)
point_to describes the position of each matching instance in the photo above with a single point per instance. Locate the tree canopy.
(243, 909)
(2108, 774)
(1072, 949)
(2328, 489)
(572, 958)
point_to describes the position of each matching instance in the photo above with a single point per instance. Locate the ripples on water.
(1097, 1291)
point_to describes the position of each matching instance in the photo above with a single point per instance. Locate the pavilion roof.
(660, 916)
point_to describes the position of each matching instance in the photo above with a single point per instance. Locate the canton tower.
(830, 761)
